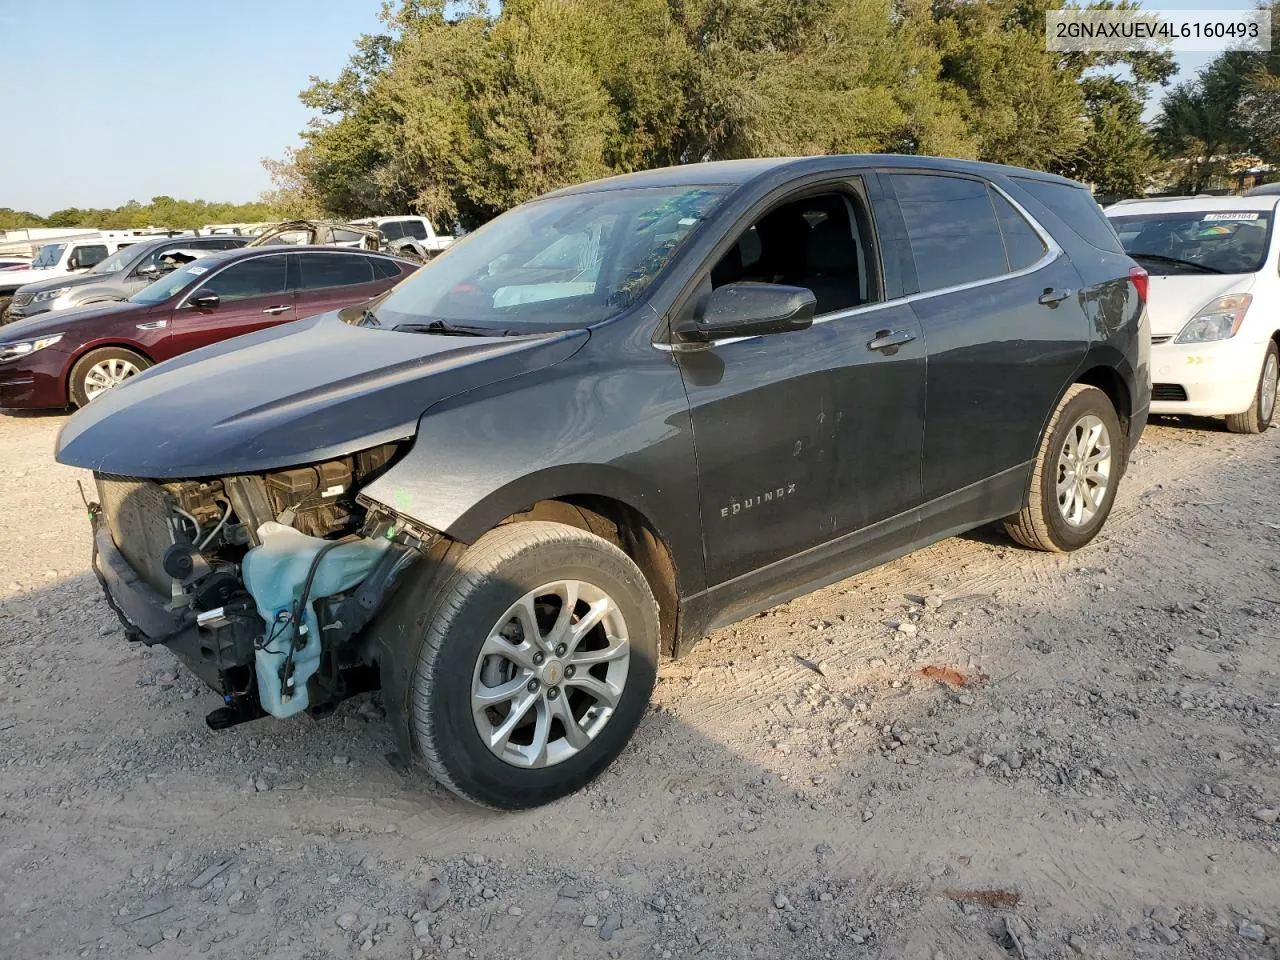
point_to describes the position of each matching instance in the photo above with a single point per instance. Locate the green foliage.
(462, 110)
(160, 212)
(1232, 108)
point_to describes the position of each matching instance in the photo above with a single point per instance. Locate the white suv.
(1214, 303)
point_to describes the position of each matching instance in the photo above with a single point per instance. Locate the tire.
(462, 616)
(83, 387)
(1263, 409)
(1044, 524)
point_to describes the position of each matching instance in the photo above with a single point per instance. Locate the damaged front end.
(263, 584)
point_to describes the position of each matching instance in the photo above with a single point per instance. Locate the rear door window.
(952, 227)
(259, 277)
(1075, 207)
(1022, 245)
(323, 270)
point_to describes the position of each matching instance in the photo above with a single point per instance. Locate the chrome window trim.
(1051, 253)
(196, 289)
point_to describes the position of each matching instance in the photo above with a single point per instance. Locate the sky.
(105, 102)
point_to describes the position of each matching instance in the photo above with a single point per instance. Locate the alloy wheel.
(1267, 392)
(1084, 471)
(106, 374)
(550, 674)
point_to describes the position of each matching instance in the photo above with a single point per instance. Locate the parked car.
(610, 420)
(118, 277)
(73, 356)
(1265, 190)
(1215, 303)
(8, 260)
(410, 236)
(61, 258)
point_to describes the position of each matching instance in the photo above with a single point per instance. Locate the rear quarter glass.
(1075, 207)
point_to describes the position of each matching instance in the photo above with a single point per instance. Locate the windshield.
(48, 256)
(170, 284)
(562, 262)
(117, 260)
(1188, 242)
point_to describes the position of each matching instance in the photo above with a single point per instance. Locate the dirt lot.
(1106, 784)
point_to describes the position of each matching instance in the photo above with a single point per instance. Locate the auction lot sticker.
(1177, 31)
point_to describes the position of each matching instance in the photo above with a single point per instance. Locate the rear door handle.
(1051, 296)
(886, 339)
(274, 310)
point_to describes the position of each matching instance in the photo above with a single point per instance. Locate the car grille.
(137, 513)
(1168, 392)
(22, 299)
(1162, 339)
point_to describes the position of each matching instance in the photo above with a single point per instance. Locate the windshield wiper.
(1175, 260)
(446, 329)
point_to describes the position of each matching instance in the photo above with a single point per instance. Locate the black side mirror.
(73, 264)
(205, 301)
(749, 310)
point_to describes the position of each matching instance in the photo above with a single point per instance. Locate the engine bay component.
(285, 575)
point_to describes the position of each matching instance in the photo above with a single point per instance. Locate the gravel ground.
(976, 751)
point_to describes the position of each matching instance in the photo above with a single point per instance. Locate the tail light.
(1140, 281)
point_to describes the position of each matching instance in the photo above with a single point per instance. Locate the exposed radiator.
(138, 514)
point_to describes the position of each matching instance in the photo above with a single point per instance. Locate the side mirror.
(749, 310)
(149, 272)
(73, 264)
(205, 301)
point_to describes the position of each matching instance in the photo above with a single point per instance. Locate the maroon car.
(70, 356)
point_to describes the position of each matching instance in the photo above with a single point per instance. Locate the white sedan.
(1214, 303)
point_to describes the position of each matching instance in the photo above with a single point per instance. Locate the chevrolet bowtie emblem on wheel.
(736, 507)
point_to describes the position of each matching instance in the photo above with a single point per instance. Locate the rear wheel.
(1263, 409)
(1076, 473)
(538, 660)
(101, 370)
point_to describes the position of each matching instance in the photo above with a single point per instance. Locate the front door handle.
(888, 339)
(1052, 296)
(274, 310)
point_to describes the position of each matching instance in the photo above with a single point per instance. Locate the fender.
(618, 429)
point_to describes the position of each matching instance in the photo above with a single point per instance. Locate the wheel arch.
(113, 344)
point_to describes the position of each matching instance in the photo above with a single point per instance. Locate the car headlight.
(49, 294)
(12, 351)
(1219, 319)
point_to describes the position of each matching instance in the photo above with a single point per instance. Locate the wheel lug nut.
(553, 692)
(532, 686)
(560, 649)
(539, 657)
(569, 671)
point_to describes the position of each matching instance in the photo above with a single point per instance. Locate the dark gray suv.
(118, 277)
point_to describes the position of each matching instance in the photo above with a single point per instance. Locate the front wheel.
(1263, 409)
(101, 370)
(1076, 473)
(539, 657)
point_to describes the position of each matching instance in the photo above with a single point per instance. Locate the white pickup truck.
(60, 257)
(409, 234)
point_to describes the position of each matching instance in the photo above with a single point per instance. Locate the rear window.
(1075, 207)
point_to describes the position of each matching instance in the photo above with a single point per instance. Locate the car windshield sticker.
(1230, 216)
(197, 270)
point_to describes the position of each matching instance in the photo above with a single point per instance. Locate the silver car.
(118, 277)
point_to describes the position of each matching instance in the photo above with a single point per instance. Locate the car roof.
(741, 172)
(1192, 205)
(246, 253)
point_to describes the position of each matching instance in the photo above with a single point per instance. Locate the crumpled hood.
(60, 321)
(293, 394)
(1173, 300)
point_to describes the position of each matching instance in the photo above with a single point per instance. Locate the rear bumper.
(1218, 378)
